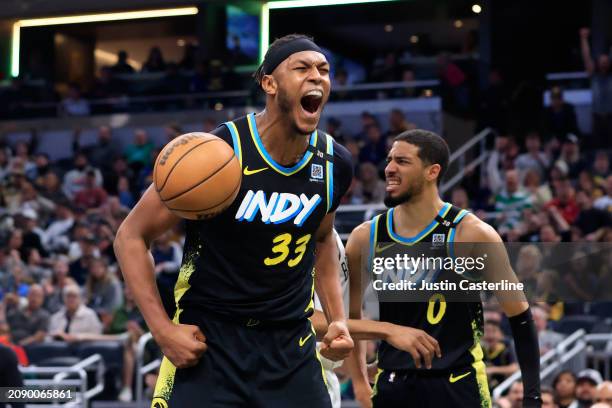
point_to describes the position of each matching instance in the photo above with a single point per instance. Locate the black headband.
(277, 55)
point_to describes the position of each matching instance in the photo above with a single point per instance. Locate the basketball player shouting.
(241, 335)
(416, 163)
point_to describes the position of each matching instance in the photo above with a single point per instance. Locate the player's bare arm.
(182, 344)
(337, 342)
(474, 231)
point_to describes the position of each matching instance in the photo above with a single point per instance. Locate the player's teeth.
(314, 93)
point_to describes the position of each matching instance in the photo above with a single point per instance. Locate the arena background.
(507, 84)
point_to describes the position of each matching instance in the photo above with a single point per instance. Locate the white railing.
(577, 346)
(61, 377)
(141, 369)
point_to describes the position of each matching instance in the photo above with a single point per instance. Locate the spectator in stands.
(601, 167)
(100, 153)
(92, 195)
(102, 289)
(510, 202)
(604, 393)
(592, 222)
(155, 61)
(73, 319)
(122, 66)
(528, 267)
(586, 387)
(126, 198)
(188, 60)
(398, 124)
(408, 91)
(56, 234)
(4, 163)
(498, 355)
(74, 104)
(581, 281)
(32, 201)
(601, 89)
(55, 286)
(570, 155)
(564, 385)
(51, 188)
(548, 398)
(369, 189)
(559, 117)
(564, 200)
(75, 179)
(29, 325)
(539, 192)
(367, 120)
(495, 161)
(547, 338)
(534, 158)
(138, 154)
(515, 394)
(605, 202)
(586, 183)
(32, 234)
(375, 148)
(386, 70)
(7, 341)
(43, 166)
(453, 84)
(119, 168)
(34, 266)
(80, 267)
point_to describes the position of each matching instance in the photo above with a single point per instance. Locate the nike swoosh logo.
(453, 379)
(248, 172)
(304, 340)
(381, 248)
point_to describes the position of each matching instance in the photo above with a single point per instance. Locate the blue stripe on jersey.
(235, 140)
(413, 240)
(330, 172)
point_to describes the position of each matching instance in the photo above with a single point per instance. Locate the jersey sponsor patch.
(437, 239)
(278, 209)
(316, 171)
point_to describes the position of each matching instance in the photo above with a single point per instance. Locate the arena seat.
(570, 324)
(46, 353)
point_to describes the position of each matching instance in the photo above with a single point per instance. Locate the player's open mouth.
(311, 101)
(392, 183)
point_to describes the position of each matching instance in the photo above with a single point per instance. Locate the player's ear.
(433, 172)
(269, 84)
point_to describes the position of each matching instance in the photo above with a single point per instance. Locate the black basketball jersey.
(457, 326)
(255, 260)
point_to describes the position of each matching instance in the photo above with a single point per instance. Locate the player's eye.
(301, 69)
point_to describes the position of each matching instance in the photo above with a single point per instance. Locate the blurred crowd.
(59, 280)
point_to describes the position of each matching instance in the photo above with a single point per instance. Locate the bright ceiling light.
(476, 8)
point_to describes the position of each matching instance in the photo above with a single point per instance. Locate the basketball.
(197, 175)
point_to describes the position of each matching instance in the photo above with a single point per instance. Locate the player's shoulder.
(473, 229)
(223, 132)
(361, 233)
(342, 156)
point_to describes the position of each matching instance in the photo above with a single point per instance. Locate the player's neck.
(282, 142)
(418, 212)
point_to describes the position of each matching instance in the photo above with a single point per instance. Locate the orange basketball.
(197, 175)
